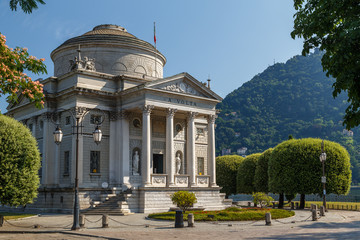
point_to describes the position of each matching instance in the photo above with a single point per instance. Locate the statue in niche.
(178, 163)
(135, 163)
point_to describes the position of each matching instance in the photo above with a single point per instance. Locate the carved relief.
(159, 179)
(202, 180)
(181, 88)
(181, 180)
(86, 64)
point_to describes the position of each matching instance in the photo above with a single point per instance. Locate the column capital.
(170, 112)
(211, 118)
(146, 109)
(116, 115)
(192, 115)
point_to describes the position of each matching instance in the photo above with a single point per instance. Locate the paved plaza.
(335, 225)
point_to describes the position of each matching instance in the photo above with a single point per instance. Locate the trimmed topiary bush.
(19, 163)
(294, 167)
(261, 172)
(183, 199)
(245, 174)
(226, 171)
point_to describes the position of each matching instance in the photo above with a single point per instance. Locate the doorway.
(158, 163)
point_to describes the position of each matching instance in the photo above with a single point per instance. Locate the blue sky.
(229, 40)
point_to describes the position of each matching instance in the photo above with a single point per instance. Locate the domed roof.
(107, 34)
(109, 29)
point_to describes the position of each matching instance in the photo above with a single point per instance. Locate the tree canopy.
(19, 163)
(245, 174)
(261, 172)
(26, 5)
(13, 80)
(333, 25)
(226, 171)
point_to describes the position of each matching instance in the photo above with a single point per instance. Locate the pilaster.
(211, 150)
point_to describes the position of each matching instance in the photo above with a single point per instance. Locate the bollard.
(267, 219)
(249, 204)
(322, 211)
(292, 206)
(1, 220)
(312, 207)
(191, 220)
(105, 221)
(179, 219)
(273, 204)
(296, 205)
(314, 215)
(82, 220)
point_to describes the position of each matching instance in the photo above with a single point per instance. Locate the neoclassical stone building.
(158, 133)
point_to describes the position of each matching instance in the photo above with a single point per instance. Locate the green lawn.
(354, 206)
(229, 214)
(9, 216)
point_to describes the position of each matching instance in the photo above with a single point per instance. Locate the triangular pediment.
(184, 83)
(22, 100)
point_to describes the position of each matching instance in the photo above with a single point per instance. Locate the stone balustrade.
(159, 180)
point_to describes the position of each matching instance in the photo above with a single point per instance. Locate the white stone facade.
(147, 121)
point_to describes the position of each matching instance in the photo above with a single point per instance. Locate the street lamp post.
(323, 178)
(97, 135)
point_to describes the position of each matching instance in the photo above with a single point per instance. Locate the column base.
(193, 185)
(213, 185)
(172, 185)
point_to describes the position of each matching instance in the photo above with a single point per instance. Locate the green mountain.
(292, 98)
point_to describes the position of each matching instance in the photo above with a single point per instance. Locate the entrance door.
(158, 163)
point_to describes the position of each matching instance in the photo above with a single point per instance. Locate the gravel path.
(335, 225)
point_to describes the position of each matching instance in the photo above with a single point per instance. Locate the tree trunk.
(302, 201)
(281, 200)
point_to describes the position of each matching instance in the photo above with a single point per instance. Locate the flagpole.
(155, 48)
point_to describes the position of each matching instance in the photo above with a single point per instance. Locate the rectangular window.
(95, 119)
(95, 162)
(67, 120)
(201, 167)
(66, 162)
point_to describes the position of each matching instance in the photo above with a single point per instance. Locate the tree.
(261, 172)
(226, 171)
(183, 199)
(294, 167)
(19, 163)
(26, 5)
(262, 199)
(333, 25)
(13, 80)
(245, 174)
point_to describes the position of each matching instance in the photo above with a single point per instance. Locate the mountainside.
(292, 98)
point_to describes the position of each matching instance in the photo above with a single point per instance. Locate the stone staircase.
(110, 204)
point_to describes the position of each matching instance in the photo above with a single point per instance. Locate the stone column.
(170, 156)
(211, 150)
(125, 156)
(146, 145)
(191, 147)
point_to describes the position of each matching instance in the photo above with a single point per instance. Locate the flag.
(154, 34)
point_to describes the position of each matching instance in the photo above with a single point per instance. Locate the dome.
(115, 50)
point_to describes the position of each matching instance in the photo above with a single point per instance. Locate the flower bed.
(229, 214)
